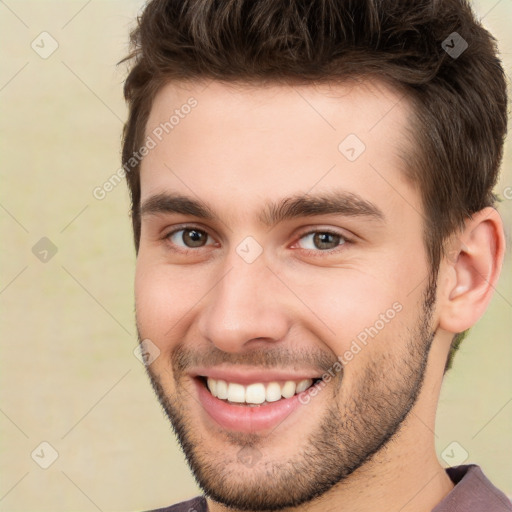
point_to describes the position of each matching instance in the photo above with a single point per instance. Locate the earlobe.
(471, 271)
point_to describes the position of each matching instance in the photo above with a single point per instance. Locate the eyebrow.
(299, 205)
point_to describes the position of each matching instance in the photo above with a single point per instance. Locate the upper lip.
(247, 375)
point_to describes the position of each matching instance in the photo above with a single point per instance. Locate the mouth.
(246, 402)
(256, 394)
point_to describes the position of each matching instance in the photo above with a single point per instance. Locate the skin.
(243, 146)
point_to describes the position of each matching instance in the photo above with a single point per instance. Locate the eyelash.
(310, 252)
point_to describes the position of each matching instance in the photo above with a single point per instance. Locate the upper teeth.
(256, 393)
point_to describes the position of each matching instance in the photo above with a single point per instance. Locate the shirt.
(473, 492)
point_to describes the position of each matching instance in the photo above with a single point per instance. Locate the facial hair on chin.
(348, 434)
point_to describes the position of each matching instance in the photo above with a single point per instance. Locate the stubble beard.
(349, 433)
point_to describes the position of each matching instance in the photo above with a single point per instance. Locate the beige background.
(68, 373)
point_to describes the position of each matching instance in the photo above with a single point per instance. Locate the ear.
(470, 271)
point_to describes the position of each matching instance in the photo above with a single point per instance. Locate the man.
(313, 214)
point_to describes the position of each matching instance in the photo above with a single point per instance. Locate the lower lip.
(244, 418)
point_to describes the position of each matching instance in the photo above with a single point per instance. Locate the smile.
(257, 393)
(250, 403)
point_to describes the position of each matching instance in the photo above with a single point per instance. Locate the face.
(281, 279)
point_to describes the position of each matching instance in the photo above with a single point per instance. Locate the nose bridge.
(244, 304)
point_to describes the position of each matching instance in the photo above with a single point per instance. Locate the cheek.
(343, 307)
(361, 310)
(162, 299)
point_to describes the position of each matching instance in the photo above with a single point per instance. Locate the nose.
(246, 304)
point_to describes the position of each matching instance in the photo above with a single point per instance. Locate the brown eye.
(188, 237)
(322, 240)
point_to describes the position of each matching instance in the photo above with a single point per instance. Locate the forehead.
(261, 141)
(361, 102)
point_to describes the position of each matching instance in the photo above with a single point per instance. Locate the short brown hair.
(459, 99)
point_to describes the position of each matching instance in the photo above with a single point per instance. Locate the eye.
(188, 238)
(322, 240)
